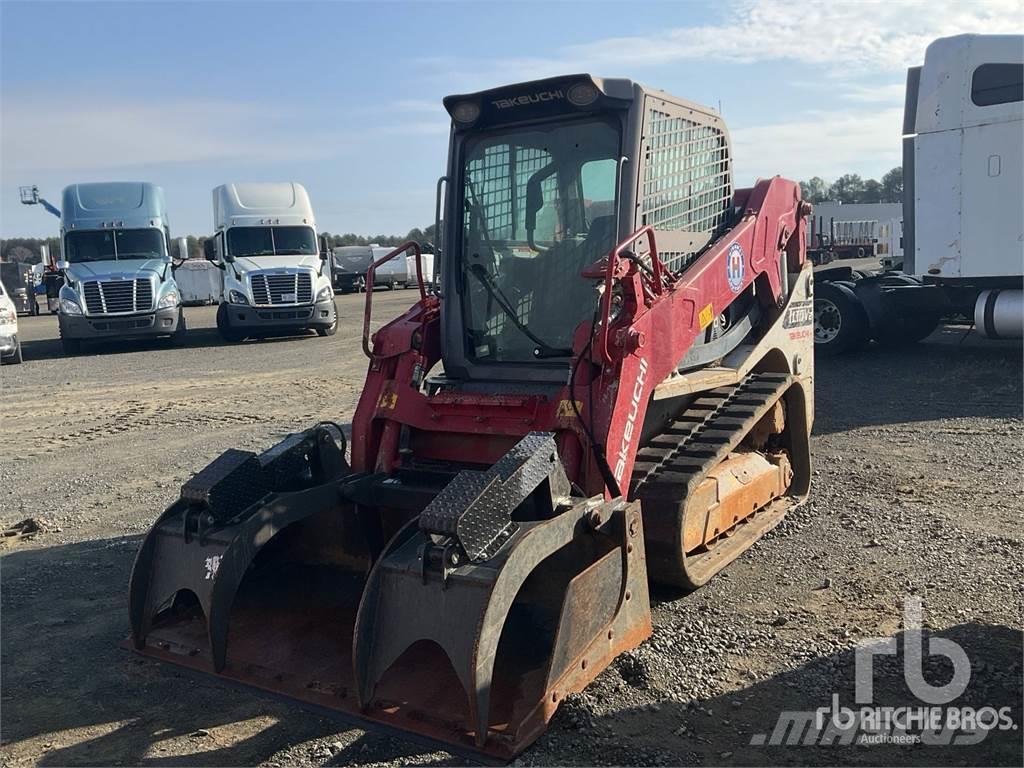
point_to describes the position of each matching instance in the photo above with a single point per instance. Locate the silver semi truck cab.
(276, 274)
(118, 281)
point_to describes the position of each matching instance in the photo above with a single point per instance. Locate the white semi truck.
(963, 229)
(274, 268)
(118, 281)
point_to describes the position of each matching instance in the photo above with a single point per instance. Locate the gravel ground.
(917, 493)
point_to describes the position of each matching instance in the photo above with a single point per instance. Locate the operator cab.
(543, 183)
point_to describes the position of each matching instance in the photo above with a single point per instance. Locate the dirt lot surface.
(917, 492)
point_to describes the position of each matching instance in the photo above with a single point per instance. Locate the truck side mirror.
(325, 248)
(62, 265)
(221, 250)
(209, 252)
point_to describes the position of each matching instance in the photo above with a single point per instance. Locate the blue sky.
(345, 97)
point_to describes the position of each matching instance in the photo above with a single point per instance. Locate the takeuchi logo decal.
(630, 428)
(735, 267)
(530, 98)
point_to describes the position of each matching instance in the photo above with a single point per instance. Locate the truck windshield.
(538, 207)
(115, 244)
(271, 241)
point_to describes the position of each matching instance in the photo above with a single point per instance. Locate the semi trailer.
(963, 228)
(855, 231)
(351, 263)
(199, 281)
(274, 269)
(613, 386)
(116, 263)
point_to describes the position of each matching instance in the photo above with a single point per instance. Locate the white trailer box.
(199, 282)
(427, 265)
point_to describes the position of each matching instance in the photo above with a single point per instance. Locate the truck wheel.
(180, 333)
(332, 328)
(840, 323)
(224, 327)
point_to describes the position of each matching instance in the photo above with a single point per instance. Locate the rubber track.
(704, 434)
(677, 460)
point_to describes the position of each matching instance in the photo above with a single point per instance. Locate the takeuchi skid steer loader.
(610, 384)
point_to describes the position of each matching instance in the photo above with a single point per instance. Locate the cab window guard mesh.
(687, 181)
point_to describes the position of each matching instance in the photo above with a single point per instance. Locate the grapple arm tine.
(229, 505)
(415, 592)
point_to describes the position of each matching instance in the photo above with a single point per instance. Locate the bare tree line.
(851, 188)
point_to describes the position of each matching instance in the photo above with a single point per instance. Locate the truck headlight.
(69, 307)
(324, 294)
(237, 297)
(169, 299)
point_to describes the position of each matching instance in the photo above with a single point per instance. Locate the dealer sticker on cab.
(735, 266)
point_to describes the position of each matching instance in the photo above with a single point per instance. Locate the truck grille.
(293, 288)
(109, 297)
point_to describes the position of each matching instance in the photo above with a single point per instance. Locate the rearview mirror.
(209, 252)
(62, 265)
(325, 248)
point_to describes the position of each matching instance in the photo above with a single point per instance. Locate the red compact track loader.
(610, 382)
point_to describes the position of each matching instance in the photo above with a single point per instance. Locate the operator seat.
(564, 297)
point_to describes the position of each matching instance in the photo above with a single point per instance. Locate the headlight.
(237, 297)
(170, 299)
(324, 294)
(69, 307)
(466, 112)
(582, 94)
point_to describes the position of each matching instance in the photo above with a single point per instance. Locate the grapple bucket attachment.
(496, 594)
(204, 546)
